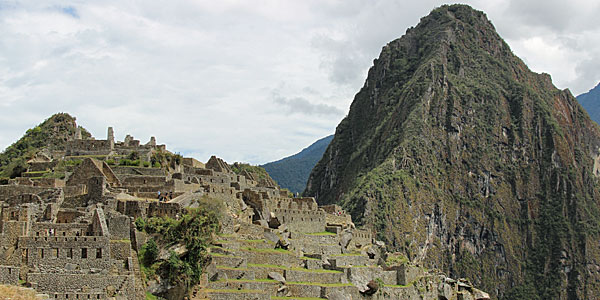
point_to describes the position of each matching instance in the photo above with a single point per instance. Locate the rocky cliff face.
(461, 157)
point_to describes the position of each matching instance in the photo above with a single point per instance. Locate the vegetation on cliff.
(464, 160)
(193, 232)
(53, 133)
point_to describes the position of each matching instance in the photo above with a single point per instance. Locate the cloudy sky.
(250, 81)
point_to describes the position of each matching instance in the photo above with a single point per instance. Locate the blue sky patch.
(71, 11)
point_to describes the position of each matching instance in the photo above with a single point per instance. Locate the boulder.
(270, 236)
(276, 276)
(345, 238)
(283, 290)
(480, 295)
(283, 243)
(372, 288)
(70, 266)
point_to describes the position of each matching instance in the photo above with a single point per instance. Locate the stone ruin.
(75, 238)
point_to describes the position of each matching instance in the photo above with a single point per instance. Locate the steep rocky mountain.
(51, 134)
(591, 102)
(459, 156)
(292, 172)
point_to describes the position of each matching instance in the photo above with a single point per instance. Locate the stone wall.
(162, 209)
(42, 166)
(88, 147)
(143, 180)
(68, 215)
(47, 229)
(84, 283)
(120, 249)
(11, 192)
(75, 190)
(9, 275)
(119, 227)
(361, 237)
(60, 250)
(133, 208)
(301, 220)
(92, 168)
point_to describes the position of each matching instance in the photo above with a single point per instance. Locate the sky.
(249, 81)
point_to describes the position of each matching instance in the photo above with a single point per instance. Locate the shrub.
(150, 250)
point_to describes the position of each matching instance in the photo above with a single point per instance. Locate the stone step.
(235, 273)
(270, 256)
(315, 276)
(307, 247)
(229, 261)
(261, 271)
(347, 260)
(236, 294)
(267, 286)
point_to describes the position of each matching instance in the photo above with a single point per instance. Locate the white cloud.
(202, 76)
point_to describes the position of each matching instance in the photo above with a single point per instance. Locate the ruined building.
(75, 237)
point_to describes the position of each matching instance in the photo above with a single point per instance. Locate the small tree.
(150, 252)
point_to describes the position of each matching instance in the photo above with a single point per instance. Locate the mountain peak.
(461, 158)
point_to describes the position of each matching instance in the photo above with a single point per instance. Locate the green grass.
(347, 254)
(85, 156)
(36, 172)
(319, 284)
(315, 271)
(231, 268)
(267, 266)
(248, 280)
(267, 250)
(321, 233)
(149, 296)
(233, 291)
(258, 241)
(223, 255)
(309, 258)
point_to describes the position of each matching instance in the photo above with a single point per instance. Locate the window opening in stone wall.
(55, 253)
(83, 252)
(99, 253)
(70, 253)
(41, 252)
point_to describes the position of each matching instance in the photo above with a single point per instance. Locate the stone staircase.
(313, 267)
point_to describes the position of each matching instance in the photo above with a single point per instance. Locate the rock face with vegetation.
(292, 172)
(52, 134)
(461, 158)
(591, 102)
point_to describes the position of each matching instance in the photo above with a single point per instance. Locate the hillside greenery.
(292, 172)
(52, 134)
(591, 102)
(194, 231)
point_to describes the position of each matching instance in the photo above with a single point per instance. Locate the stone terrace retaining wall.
(9, 275)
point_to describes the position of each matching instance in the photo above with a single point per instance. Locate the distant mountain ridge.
(591, 102)
(292, 172)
